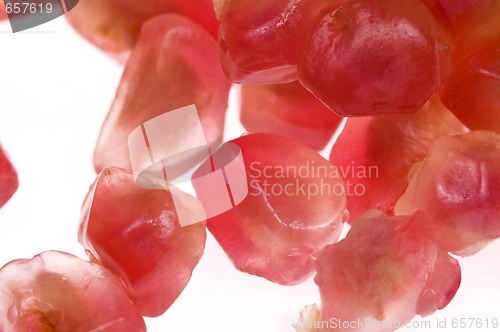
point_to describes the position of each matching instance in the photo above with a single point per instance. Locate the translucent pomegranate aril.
(8, 178)
(294, 207)
(380, 271)
(375, 154)
(260, 39)
(288, 110)
(136, 234)
(114, 25)
(367, 57)
(472, 92)
(458, 187)
(55, 291)
(174, 64)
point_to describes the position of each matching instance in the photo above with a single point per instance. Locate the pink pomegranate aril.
(260, 39)
(282, 224)
(458, 187)
(368, 57)
(174, 64)
(115, 25)
(55, 291)
(288, 110)
(374, 154)
(381, 270)
(135, 233)
(472, 92)
(8, 178)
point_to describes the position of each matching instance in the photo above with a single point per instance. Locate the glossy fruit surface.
(367, 57)
(260, 40)
(55, 291)
(114, 25)
(375, 154)
(288, 110)
(472, 91)
(174, 64)
(295, 206)
(8, 178)
(382, 274)
(458, 187)
(135, 233)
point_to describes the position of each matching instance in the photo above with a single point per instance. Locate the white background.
(55, 90)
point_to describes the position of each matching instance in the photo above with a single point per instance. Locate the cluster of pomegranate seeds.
(289, 110)
(374, 154)
(288, 215)
(115, 25)
(175, 63)
(55, 291)
(135, 233)
(458, 187)
(387, 270)
(8, 178)
(434, 184)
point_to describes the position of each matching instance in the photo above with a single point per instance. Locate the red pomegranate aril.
(114, 25)
(277, 230)
(174, 64)
(368, 57)
(56, 291)
(135, 232)
(381, 270)
(458, 187)
(260, 39)
(472, 92)
(374, 154)
(8, 178)
(288, 110)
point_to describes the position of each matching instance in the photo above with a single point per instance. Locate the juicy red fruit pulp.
(174, 64)
(387, 270)
(367, 57)
(55, 291)
(135, 232)
(288, 110)
(8, 178)
(458, 187)
(114, 25)
(260, 39)
(295, 206)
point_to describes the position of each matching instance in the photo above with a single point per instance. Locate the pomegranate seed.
(136, 234)
(174, 64)
(56, 291)
(458, 187)
(288, 110)
(375, 154)
(8, 178)
(286, 218)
